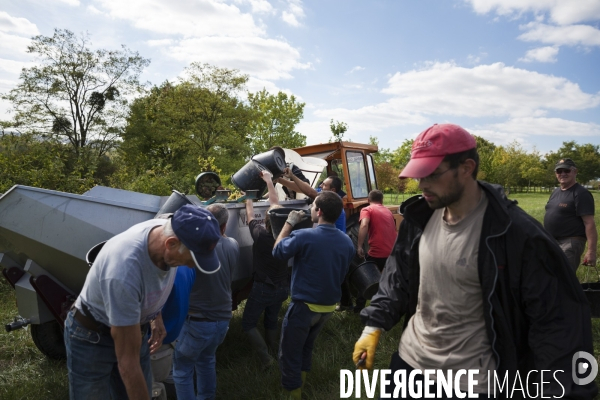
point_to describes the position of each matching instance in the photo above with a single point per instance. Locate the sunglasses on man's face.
(561, 171)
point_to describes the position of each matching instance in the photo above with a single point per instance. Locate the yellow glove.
(364, 349)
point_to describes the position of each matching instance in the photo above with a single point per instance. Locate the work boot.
(272, 337)
(295, 394)
(258, 343)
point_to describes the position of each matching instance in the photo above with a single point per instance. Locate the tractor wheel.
(48, 338)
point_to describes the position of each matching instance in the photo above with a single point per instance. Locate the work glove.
(295, 217)
(364, 349)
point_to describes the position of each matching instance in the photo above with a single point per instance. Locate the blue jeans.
(195, 351)
(92, 363)
(298, 333)
(264, 297)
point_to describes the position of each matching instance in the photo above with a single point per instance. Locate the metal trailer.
(45, 236)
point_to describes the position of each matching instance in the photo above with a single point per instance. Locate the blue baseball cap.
(199, 231)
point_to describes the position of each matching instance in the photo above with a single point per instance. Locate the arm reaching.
(301, 185)
(268, 178)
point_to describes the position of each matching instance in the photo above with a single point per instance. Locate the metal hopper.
(45, 236)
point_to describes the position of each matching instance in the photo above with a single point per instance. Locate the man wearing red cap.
(481, 284)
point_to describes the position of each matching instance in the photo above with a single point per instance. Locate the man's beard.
(455, 194)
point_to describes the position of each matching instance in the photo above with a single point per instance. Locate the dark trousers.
(300, 329)
(398, 364)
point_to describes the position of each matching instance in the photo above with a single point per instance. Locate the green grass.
(26, 374)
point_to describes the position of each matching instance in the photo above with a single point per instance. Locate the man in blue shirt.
(331, 184)
(321, 259)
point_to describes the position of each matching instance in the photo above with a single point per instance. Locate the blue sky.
(507, 70)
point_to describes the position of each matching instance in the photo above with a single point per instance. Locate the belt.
(90, 323)
(573, 237)
(93, 325)
(200, 319)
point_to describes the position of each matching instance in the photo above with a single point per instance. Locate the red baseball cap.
(432, 145)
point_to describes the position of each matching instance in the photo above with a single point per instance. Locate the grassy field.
(26, 374)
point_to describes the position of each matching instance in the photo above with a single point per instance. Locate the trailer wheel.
(48, 338)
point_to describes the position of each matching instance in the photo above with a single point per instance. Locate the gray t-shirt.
(124, 287)
(211, 294)
(448, 331)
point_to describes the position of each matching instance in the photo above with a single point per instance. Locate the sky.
(506, 70)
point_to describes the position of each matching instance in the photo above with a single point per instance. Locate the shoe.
(341, 307)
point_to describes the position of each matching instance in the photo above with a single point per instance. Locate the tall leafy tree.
(74, 93)
(275, 120)
(177, 124)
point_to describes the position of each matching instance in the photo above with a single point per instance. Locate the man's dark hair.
(336, 183)
(330, 204)
(454, 160)
(375, 196)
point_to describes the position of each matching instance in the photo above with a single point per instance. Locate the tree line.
(81, 117)
(510, 165)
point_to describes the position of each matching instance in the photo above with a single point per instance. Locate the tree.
(25, 160)
(401, 156)
(176, 124)
(586, 157)
(275, 118)
(337, 130)
(485, 149)
(75, 94)
(506, 165)
(382, 155)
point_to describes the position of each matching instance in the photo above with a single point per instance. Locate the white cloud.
(213, 31)
(290, 19)
(12, 66)
(562, 12)
(524, 130)
(16, 25)
(356, 69)
(189, 18)
(541, 54)
(485, 90)
(256, 85)
(73, 3)
(262, 58)
(545, 127)
(293, 13)
(94, 10)
(13, 46)
(443, 91)
(571, 35)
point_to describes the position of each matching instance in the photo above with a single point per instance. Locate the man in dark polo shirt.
(570, 216)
